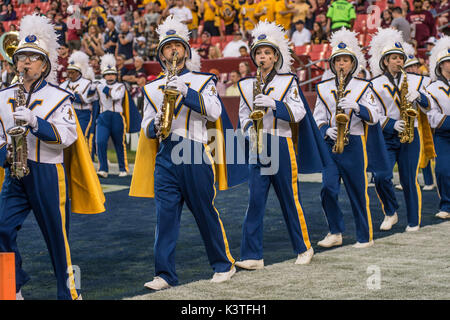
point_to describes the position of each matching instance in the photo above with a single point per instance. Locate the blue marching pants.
(193, 184)
(84, 118)
(442, 170)
(428, 175)
(407, 156)
(111, 124)
(350, 166)
(286, 186)
(45, 192)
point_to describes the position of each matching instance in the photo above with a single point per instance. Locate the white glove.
(157, 122)
(332, 133)
(26, 115)
(252, 138)
(179, 85)
(348, 104)
(412, 95)
(262, 100)
(399, 125)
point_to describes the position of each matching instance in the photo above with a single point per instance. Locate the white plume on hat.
(172, 29)
(384, 42)
(79, 61)
(108, 64)
(194, 63)
(439, 53)
(270, 34)
(345, 42)
(37, 34)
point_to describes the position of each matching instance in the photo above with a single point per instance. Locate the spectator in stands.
(284, 11)
(120, 66)
(63, 60)
(302, 11)
(226, 13)
(428, 7)
(74, 31)
(220, 86)
(318, 35)
(37, 11)
(406, 8)
(244, 69)
(361, 6)
(13, 27)
(390, 4)
(60, 28)
(401, 24)
(10, 13)
(181, 11)
(265, 10)
(443, 18)
(64, 6)
(114, 12)
(232, 89)
(203, 50)
(152, 13)
(138, 24)
(247, 19)
(243, 52)
(232, 49)
(91, 43)
(110, 37)
(97, 14)
(423, 23)
(386, 18)
(208, 9)
(125, 45)
(152, 41)
(192, 5)
(131, 78)
(321, 8)
(94, 62)
(340, 14)
(4, 12)
(214, 52)
(301, 35)
(140, 47)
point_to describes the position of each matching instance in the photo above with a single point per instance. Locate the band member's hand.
(399, 125)
(179, 84)
(262, 100)
(412, 95)
(157, 123)
(332, 133)
(348, 104)
(26, 115)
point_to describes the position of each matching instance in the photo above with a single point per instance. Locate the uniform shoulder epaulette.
(365, 80)
(326, 80)
(206, 74)
(376, 77)
(59, 88)
(246, 78)
(10, 87)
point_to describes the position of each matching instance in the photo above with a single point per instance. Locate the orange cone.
(7, 276)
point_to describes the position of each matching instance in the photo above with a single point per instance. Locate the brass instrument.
(18, 133)
(170, 98)
(8, 44)
(342, 118)
(257, 114)
(407, 112)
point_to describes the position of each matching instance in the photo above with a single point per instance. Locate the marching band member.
(80, 76)
(387, 62)
(162, 176)
(344, 94)
(117, 116)
(439, 117)
(279, 96)
(52, 136)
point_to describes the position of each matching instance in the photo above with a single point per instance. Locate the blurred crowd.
(127, 28)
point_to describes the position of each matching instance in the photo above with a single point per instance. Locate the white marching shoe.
(250, 264)
(157, 283)
(428, 187)
(443, 215)
(122, 174)
(398, 187)
(219, 277)
(388, 222)
(412, 229)
(362, 245)
(305, 257)
(102, 174)
(19, 295)
(331, 240)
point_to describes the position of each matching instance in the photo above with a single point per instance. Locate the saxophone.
(18, 133)
(407, 112)
(170, 98)
(342, 118)
(257, 114)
